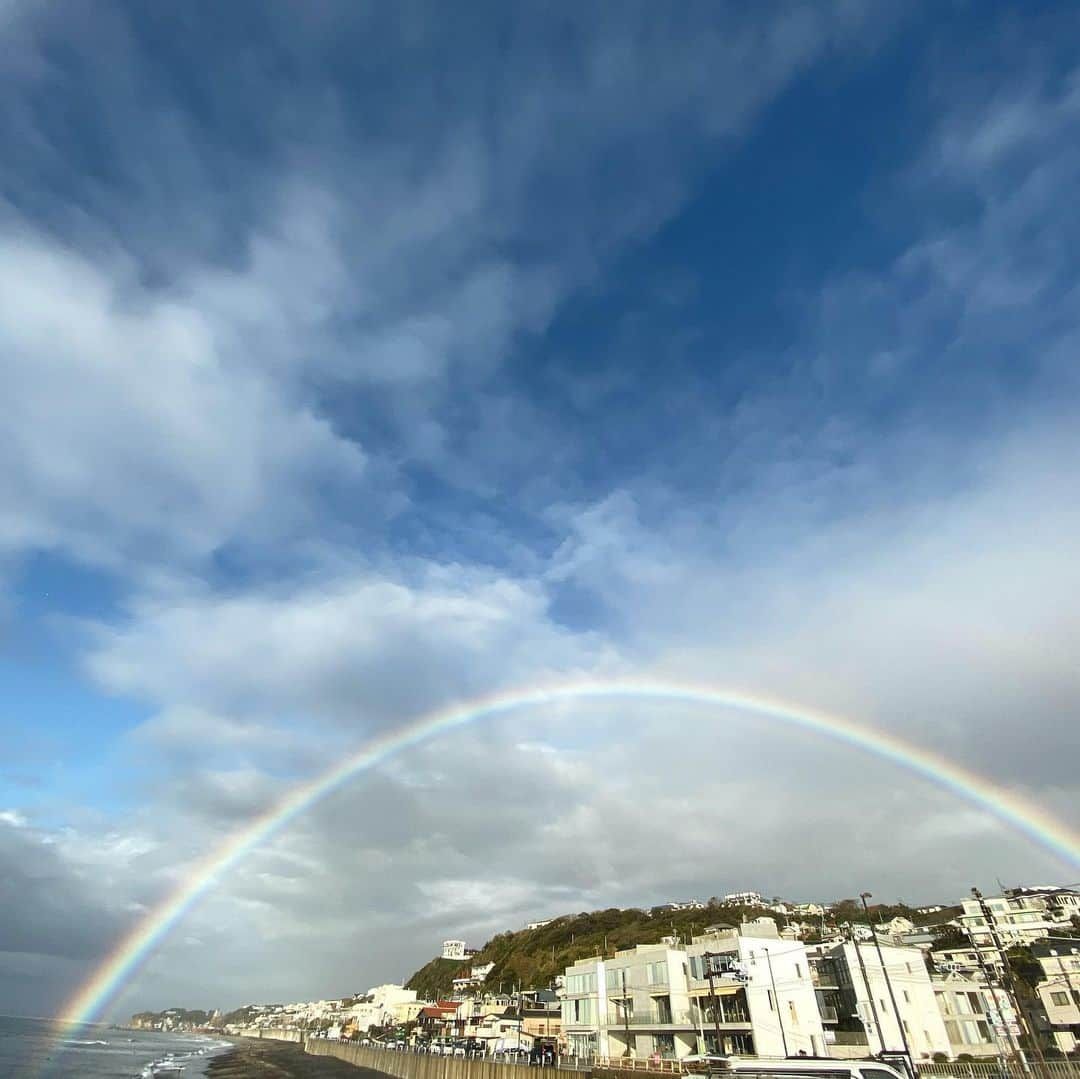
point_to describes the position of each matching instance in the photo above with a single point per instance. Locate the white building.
(744, 899)
(767, 1006)
(862, 998)
(655, 1000)
(384, 1004)
(1021, 916)
(1059, 993)
(453, 949)
(977, 1018)
(471, 978)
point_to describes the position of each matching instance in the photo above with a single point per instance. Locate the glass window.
(1059, 998)
(876, 1073)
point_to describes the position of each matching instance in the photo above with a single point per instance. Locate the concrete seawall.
(423, 1065)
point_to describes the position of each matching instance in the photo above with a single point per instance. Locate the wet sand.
(255, 1058)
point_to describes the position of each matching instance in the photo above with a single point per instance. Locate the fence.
(406, 1065)
(1055, 1069)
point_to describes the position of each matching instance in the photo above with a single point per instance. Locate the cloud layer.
(360, 363)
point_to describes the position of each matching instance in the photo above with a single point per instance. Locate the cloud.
(293, 354)
(360, 650)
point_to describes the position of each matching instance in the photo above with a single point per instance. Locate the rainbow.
(135, 948)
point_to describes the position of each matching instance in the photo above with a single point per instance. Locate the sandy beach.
(254, 1058)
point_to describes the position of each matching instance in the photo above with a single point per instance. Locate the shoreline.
(263, 1058)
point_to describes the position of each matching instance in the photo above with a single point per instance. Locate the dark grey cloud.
(48, 906)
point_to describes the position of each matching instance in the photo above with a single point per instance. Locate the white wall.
(907, 973)
(791, 1014)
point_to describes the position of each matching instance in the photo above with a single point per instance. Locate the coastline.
(260, 1058)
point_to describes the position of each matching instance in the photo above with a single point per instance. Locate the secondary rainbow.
(122, 963)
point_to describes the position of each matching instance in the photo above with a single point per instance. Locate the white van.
(717, 1067)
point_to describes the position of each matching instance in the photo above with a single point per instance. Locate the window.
(907, 997)
(772, 1006)
(1059, 999)
(798, 971)
(791, 1011)
(657, 973)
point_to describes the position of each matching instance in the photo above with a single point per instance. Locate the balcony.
(828, 1014)
(675, 1018)
(848, 1037)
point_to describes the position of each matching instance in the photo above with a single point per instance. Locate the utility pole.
(1009, 1049)
(864, 896)
(869, 992)
(710, 973)
(625, 1011)
(1008, 978)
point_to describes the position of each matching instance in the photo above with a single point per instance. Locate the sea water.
(38, 1049)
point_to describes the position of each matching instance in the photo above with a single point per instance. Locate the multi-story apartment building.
(657, 1000)
(766, 1005)
(852, 982)
(1059, 992)
(632, 1004)
(977, 1018)
(1020, 916)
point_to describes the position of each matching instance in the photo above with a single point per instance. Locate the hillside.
(533, 957)
(435, 980)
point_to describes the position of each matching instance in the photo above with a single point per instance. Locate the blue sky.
(358, 360)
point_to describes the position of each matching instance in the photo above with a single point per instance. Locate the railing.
(849, 1037)
(828, 1014)
(640, 1064)
(1055, 1069)
(652, 1019)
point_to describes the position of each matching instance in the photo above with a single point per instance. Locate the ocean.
(29, 1049)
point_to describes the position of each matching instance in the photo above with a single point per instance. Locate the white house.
(656, 1000)
(1059, 993)
(864, 990)
(766, 1006)
(977, 1018)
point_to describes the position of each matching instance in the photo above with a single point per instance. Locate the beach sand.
(255, 1058)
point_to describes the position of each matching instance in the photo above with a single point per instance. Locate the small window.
(798, 971)
(907, 997)
(1059, 999)
(791, 1009)
(772, 1006)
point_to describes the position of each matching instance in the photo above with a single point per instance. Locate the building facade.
(660, 1001)
(1059, 992)
(860, 993)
